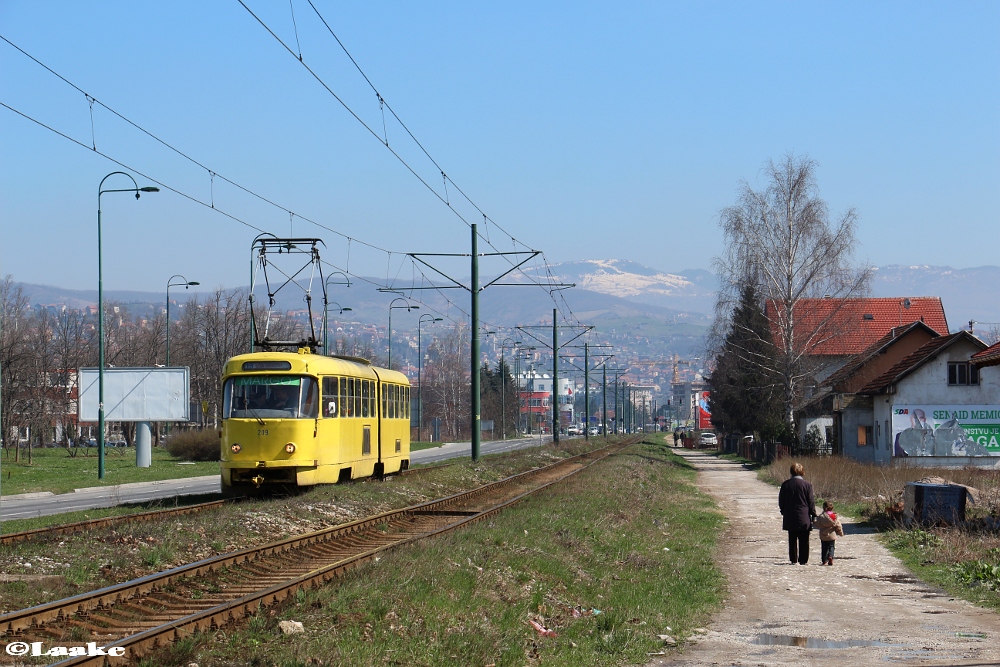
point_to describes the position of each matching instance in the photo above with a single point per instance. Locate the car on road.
(574, 430)
(708, 439)
(595, 430)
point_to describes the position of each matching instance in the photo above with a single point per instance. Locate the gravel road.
(865, 610)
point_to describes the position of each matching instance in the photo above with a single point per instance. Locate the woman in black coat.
(798, 508)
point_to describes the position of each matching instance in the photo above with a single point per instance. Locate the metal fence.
(767, 452)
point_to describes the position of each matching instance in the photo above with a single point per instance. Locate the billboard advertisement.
(946, 430)
(704, 414)
(135, 394)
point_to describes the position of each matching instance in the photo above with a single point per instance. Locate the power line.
(214, 174)
(382, 102)
(209, 206)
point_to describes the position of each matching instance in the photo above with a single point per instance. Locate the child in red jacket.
(829, 528)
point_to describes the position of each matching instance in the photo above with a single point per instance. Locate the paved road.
(31, 505)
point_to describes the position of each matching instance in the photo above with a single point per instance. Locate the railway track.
(141, 517)
(145, 614)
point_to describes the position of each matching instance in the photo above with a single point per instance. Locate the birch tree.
(781, 240)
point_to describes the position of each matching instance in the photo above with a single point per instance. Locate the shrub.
(195, 446)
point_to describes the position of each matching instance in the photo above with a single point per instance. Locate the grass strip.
(56, 471)
(49, 567)
(606, 560)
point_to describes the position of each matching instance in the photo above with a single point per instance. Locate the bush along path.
(867, 609)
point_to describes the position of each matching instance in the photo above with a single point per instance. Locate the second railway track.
(150, 612)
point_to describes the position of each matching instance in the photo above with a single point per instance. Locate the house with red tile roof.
(988, 357)
(939, 405)
(837, 411)
(838, 329)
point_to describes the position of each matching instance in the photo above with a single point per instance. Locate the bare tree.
(446, 381)
(782, 241)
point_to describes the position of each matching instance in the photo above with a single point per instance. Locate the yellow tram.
(297, 419)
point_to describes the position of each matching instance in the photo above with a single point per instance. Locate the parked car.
(708, 439)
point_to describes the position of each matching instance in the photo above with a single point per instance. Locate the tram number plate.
(262, 431)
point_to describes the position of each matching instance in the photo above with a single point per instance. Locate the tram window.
(373, 397)
(383, 401)
(308, 408)
(330, 397)
(351, 408)
(406, 403)
(364, 397)
(395, 401)
(270, 397)
(343, 397)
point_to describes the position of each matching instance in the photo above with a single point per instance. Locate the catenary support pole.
(555, 377)
(586, 391)
(604, 402)
(475, 345)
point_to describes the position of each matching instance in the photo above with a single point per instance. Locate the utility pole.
(476, 433)
(474, 288)
(586, 391)
(604, 393)
(581, 330)
(555, 377)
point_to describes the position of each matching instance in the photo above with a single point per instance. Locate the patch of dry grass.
(959, 558)
(876, 488)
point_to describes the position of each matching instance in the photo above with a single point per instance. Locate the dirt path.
(867, 597)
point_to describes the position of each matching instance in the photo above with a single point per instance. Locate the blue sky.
(594, 130)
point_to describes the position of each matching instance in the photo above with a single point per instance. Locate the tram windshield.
(270, 397)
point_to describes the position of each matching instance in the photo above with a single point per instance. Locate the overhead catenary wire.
(444, 199)
(196, 200)
(213, 174)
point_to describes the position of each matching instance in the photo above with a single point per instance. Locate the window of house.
(864, 435)
(962, 373)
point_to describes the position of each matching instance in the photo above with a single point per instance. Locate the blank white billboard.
(136, 394)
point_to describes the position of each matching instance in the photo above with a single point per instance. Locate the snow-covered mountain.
(688, 290)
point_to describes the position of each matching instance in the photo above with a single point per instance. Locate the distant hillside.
(966, 293)
(689, 290)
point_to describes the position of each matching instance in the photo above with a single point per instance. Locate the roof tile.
(843, 327)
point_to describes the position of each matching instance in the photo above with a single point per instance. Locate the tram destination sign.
(136, 394)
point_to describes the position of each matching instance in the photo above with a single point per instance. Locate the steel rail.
(143, 643)
(141, 517)
(62, 610)
(103, 522)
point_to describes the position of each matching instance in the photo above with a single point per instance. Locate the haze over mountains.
(610, 293)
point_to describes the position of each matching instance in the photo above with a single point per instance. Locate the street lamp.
(420, 365)
(503, 387)
(326, 332)
(170, 283)
(100, 313)
(392, 307)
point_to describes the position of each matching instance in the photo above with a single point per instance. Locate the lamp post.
(392, 307)
(426, 317)
(100, 312)
(326, 332)
(326, 303)
(170, 283)
(503, 387)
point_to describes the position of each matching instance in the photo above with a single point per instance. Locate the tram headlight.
(290, 448)
(235, 448)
